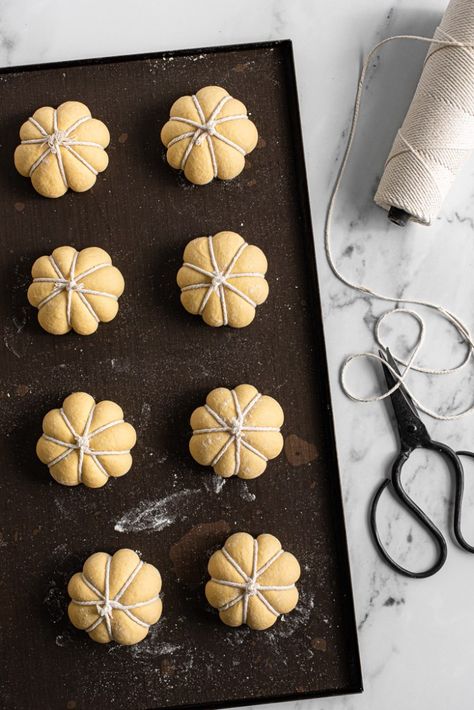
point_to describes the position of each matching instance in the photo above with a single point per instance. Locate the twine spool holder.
(398, 216)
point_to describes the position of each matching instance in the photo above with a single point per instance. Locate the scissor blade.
(411, 429)
(391, 361)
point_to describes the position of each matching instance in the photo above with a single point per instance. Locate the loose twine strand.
(219, 280)
(82, 443)
(249, 585)
(57, 140)
(105, 606)
(462, 329)
(236, 428)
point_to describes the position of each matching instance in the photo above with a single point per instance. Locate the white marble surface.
(415, 636)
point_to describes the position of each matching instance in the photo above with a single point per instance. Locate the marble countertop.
(415, 635)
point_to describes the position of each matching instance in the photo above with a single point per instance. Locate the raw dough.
(208, 135)
(62, 148)
(252, 581)
(75, 290)
(115, 598)
(223, 279)
(237, 431)
(85, 442)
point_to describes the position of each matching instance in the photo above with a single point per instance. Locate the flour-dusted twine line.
(105, 606)
(219, 280)
(82, 443)
(236, 429)
(206, 130)
(72, 285)
(57, 140)
(249, 586)
(444, 312)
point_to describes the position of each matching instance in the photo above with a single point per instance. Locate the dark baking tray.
(159, 362)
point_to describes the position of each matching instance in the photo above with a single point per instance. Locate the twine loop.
(251, 588)
(69, 285)
(104, 608)
(209, 128)
(82, 442)
(55, 140)
(218, 279)
(235, 427)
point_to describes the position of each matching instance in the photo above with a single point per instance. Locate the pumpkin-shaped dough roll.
(208, 135)
(62, 148)
(223, 279)
(85, 442)
(237, 431)
(75, 290)
(252, 581)
(115, 598)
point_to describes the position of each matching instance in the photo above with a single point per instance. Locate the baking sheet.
(159, 362)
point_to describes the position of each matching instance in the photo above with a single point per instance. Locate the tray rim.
(286, 44)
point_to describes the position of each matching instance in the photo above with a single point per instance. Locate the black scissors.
(414, 435)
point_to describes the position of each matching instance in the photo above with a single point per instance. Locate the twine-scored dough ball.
(237, 431)
(223, 279)
(115, 598)
(252, 581)
(62, 148)
(75, 290)
(85, 442)
(208, 135)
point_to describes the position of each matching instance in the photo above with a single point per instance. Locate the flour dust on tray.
(155, 515)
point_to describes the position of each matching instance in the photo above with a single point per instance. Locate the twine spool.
(437, 135)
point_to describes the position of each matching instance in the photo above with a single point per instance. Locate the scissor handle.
(459, 491)
(417, 513)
